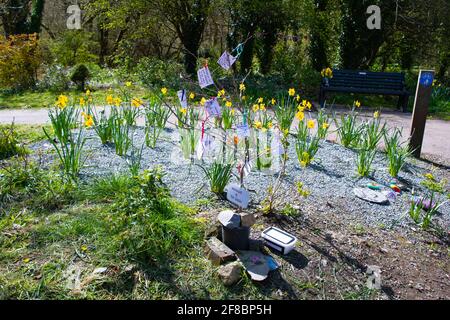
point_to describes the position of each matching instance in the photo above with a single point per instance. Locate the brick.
(218, 252)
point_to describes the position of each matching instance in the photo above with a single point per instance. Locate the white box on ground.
(279, 240)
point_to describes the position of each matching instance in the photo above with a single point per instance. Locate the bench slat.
(366, 82)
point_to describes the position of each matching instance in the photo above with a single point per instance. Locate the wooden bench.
(366, 82)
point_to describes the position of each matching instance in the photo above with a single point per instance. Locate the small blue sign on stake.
(426, 79)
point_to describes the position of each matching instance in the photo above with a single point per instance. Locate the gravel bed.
(330, 179)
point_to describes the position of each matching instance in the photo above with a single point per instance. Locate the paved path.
(436, 145)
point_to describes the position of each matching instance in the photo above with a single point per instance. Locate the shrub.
(74, 47)
(20, 59)
(55, 79)
(157, 73)
(80, 75)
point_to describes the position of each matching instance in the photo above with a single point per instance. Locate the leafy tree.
(21, 16)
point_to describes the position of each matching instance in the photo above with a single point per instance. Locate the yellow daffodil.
(376, 114)
(357, 104)
(325, 125)
(303, 164)
(292, 92)
(110, 99)
(308, 105)
(117, 102)
(62, 101)
(192, 96)
(297, 97)
(262, 107)
(228, 104)
(26, 260)
(258, 125)
(164, 90)
(273, 101)
(128, 84)
(327, 73)
(221, 93)
(300, 116)
(89, 122)
(242, 87)
(311, 124)
(270, 125)
(136, 102)
(260, 100)
(82, 102)
(88, 92)
(203, 101)
(255, 107)
(183, 111)
(233, 111)
(84, 248)
(286, 132)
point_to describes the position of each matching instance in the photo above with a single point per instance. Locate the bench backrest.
(368, 79)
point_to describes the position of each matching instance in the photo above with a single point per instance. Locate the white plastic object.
(279, 240)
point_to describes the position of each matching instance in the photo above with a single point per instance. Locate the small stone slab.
(214, 230)
(370, 195)
(230, 273)
(247, 219)
(218, 252)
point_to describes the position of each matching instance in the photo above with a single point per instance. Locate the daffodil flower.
(300, 116)
(291, 92)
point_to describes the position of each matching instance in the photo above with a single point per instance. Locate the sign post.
(421, 103)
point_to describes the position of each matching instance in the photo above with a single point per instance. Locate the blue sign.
(426, 79)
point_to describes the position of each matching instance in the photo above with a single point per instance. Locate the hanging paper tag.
(204, 77)
(276, 146)
(243, 131)
(238, 196)
(213, 108)
(183, 98)
(226, 60)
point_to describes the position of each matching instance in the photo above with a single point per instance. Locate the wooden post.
(421, 103)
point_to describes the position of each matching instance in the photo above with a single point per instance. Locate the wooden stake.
(420, 112)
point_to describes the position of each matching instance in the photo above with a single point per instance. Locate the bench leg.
(405, 103)
(321, 98)
(400, 103)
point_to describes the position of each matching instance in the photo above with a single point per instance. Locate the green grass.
(44, 99)
(149, 252)
(28, 133)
